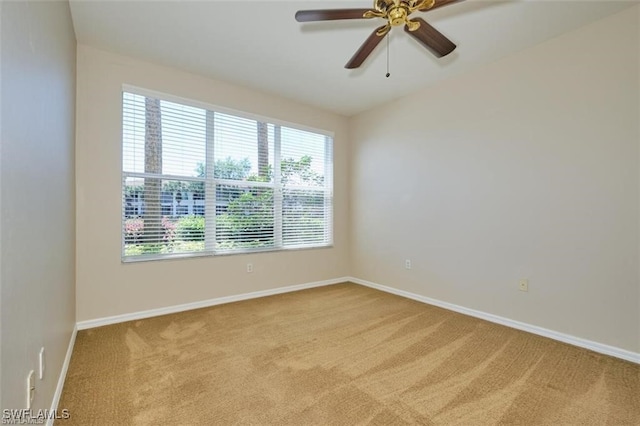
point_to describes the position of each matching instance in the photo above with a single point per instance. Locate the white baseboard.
(63, 375)
(566, 338)
(82, 325)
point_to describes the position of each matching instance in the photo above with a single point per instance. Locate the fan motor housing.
(397, 16)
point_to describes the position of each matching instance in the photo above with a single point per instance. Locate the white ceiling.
(259, 44)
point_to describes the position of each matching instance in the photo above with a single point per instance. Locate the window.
(197, 181)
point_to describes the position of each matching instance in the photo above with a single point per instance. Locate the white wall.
(37, 266)
(105, 286)
(526, 168)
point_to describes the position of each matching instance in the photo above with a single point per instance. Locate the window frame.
(210, 183)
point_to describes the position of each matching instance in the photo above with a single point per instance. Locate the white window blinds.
(200, 182)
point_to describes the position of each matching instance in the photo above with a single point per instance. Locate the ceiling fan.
(395, 12)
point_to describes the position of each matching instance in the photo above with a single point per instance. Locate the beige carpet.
(339, 355)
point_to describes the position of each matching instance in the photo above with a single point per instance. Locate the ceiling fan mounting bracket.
(383, 30)
(412, 25)
(426, 4)
(373, 14)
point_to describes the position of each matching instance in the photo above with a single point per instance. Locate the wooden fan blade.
(365, 50)
(329, 14)
(431, 38)
(440, 3)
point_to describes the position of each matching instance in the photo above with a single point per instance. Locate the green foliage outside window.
(245, 218)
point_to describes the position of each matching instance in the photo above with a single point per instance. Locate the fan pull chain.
(388, 73)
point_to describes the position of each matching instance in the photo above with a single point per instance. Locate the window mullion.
(277, 191)
(210, 186)
(328, 190)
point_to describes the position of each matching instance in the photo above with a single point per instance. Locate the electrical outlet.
(41, 364)
(249, 267)
(407, 264)
(523, 285)
(31, 388)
